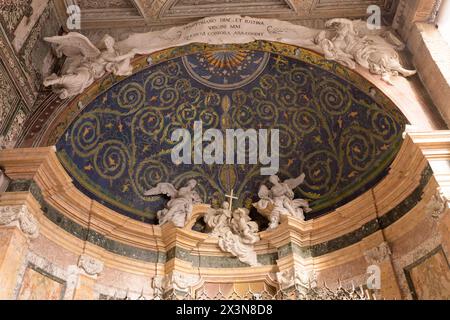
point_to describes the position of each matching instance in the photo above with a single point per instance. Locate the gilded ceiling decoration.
(336, 128)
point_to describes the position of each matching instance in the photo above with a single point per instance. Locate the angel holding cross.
(235, 231)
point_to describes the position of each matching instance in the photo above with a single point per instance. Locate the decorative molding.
(437, 204)
(151, 9)
(286, 278)
(9, 98)
(12, 12)
(433, 15)
(180, 281)
(201, 8)
(90, 265)
(20, 217)
(297, 277)
(102, 4)
(158, 283)
(11, 137)
(18, 74)
(147, 255)
(378, 254)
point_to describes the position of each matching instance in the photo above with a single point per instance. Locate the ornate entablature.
(438, 205)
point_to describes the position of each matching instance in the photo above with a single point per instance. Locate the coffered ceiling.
(155, 14)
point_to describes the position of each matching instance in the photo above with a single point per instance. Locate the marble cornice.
(366, 230)
(37, 172)
(200, 260)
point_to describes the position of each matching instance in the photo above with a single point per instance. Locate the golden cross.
(231, 196)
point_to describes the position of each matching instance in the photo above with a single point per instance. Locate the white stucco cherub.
(179, 208)
(280, 200)
(352, 42)
(235, 231)
(85, 63)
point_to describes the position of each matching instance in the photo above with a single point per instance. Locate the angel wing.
(73, 44)
(163, 188)
(264, 192)
(211, 217)
(294, 183)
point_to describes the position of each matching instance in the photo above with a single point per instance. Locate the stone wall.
(431, 57)
(415, 22)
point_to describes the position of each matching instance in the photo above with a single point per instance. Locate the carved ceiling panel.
(154, 14)
(199, 8)
(102, 4)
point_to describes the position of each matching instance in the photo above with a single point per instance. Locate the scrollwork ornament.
(181, 281)
(90, 265)
(21, 217)
(437, 204)
(378, 254)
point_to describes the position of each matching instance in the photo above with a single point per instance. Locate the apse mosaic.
(342, 138)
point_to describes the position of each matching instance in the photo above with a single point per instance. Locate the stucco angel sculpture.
(352, 42)
(236, 232)
(279, 200)
(85, 63)
(179, 208)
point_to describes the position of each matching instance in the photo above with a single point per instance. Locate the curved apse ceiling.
(337, 129)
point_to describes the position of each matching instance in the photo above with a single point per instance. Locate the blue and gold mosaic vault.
(337, 129)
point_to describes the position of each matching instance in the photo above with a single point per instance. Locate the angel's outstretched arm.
(129, 55)
(294, 183)
(162, 188)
